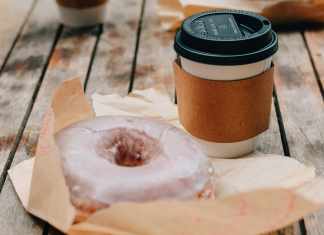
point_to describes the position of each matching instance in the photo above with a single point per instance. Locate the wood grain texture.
(302, 110)
(315, 42)
(13, 15)
(17, 83)
(270, 140)
(300, 101)
(155, 53)
(112, 66)
(70, 58)
(22, 73)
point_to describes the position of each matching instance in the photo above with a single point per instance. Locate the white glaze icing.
(178, 169)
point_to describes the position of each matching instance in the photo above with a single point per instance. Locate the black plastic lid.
(226, 37)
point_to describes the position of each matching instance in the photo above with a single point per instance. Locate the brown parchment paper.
(49, 196)
(172, 12)
(257, 194)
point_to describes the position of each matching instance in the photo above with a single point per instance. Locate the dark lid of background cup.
(226, 37)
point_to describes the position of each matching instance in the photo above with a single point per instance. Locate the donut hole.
(127, 147)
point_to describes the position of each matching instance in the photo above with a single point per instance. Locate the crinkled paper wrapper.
(172, 12)
(256, 194)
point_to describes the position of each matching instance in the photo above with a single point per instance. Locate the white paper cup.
(225, 46)
(75, 17)
(223, 73)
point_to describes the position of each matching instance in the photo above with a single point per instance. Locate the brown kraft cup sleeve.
(224, 111)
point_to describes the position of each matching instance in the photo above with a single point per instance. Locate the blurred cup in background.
(82, 13)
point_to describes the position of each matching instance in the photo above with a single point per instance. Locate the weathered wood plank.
(18, 82)
(314, 224)
(21, 75)
(300, 101)
(270, 141)
(155, 53)
(11, 25)
(302, 109)
(315, 42)
(70, 58)
(112, 66)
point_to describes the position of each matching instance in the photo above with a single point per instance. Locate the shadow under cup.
(81, 13)
(224, 79)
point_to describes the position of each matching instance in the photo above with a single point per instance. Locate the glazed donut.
(127, 159)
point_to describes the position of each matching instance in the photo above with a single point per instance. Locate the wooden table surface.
(130, 52)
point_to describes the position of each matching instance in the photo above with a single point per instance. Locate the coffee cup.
(82, 13)
(224, 79)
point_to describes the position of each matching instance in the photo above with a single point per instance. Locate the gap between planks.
(138, 38)
(48, 229)
(16, 38)
(62, 65)
(23, 72)
(28, 112)
(93, 55)
(315, 69)
(299, 75)
(285, 145)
